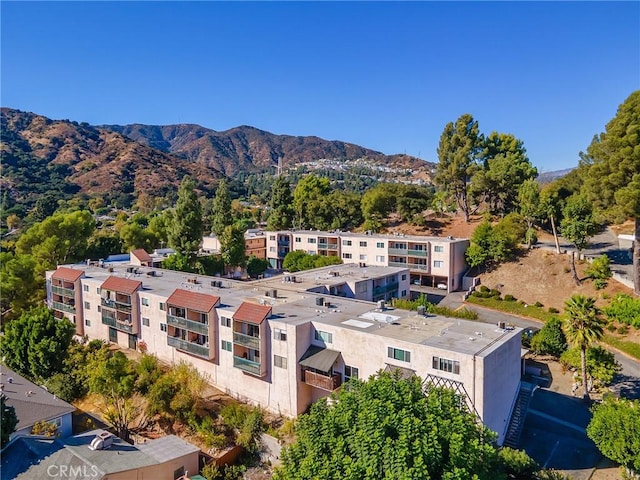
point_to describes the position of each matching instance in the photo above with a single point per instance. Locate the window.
(346, 243)
(279, 334)
(311, 240)
(99, 309)
(225, 321)
(325, 337)
(87, 306)
(347, 255)
(398, 354)
(163, 327)
(145, 321)
(87, 322)
(363, 244)
(297, 239)
(145, 301)
(363, 257)
(85, 288)
(226, 345)
(438, 249)
(380, 258)
(280, 362)
(446, 365)
(272, 249)
(404, 276)
(438, 264)
(380, 245)
(403, 294)
(272, 238)
(362, 287)
(162, 306)
(350, 372)
(98, 290)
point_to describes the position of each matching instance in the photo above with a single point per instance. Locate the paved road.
(627, 383)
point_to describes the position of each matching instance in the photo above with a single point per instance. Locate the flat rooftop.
(388, 236)
(296, 305)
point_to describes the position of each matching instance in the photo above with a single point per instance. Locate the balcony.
(390, 287)
(247, 365)
(318, 380)
(398, 264)
(117, 324)
(327, 246)
(122, 306)
(398, 251)
(283, 242)
(417, 266)
(65, 292)
(186, 324)
(246, 340)
(417, 253)
(189, 347)
(63, 307)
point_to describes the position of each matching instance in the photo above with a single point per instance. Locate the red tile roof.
(200, 302)
(141, 254)
(67, 274)
(252, 313)
(122, 285)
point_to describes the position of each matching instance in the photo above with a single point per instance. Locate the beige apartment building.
(286, 341)
(432, 261)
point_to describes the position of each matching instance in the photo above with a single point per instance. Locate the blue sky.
(387, 76)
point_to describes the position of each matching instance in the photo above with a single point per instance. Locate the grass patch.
(630, 348)
(515, 308)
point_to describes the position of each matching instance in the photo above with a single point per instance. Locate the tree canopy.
(578, 226)
(387, 428)
(185, 233)
(281, 203)
(221, 214)
(8, 422)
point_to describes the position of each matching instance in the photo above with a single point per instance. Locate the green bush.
(553, 310)
(601, 364)
(510, 298)
(484, 289)
(517, 463)
(624, 309)
(599, 284)
(623, 330)
(550, 340)
(600, 269)
(538, 304)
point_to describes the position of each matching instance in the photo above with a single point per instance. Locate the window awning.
(319, 358)
(404, 372)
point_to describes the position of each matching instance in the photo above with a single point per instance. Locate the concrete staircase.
(516, 424)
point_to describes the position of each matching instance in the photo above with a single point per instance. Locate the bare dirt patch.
(544, 276)
(454, 226)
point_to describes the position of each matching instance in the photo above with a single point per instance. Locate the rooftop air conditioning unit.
(320, 301)
(381, 304)
(101, 441)
(502, 325)
(421, 310)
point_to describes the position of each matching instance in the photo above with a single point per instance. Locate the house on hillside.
(34, 404)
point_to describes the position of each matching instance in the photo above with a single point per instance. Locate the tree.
(612, 180)
(232, 246)
(600, 271)
(8, 422)
(103, 243)
(601, 364)
(256, 266)
(583, 326)
(388, 428)
(281, 203)
(578, 226)
(550, 339)
(185, 233)
(309, 189)
(221, 212)
(458, 151)
(59, 239)
(530, 208)
(376, 204)
(36, 343)
(20, 286)
(550, 208)
(615, 429)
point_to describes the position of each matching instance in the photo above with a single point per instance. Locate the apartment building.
(432, 261)
(286, 341)
(255, 243)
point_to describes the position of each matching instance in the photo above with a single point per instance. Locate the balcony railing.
(246, 340)
(189, 347)
(65, 292)
(391, 287)
(106, 320)
(329, 383)
(109, 303)
(118, 324)
(417, 253)
(416, 266)
(327, 246)
(283, 242)
(186, 324)
(63, 307)
(398, 251)
(398, 264)
(247, 365)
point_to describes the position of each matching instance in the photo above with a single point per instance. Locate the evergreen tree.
(281, 215)
(612, 180)
(8, 422)
(577, 226)
(221, 212)
(232, 246)
(458, 151)
(185, 232)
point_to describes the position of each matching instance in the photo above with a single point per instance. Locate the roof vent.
(101, 441)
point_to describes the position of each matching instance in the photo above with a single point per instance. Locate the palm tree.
(583, 326)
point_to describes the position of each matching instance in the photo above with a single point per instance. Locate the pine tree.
(221, 214)
(185, 231)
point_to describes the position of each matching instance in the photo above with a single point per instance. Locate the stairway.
(516, 424)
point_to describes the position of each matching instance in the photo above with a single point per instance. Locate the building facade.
(286, 341)
(432, 261)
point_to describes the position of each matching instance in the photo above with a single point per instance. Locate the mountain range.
(40, 154)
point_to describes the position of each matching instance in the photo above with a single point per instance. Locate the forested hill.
(40, 155)
(247, 148)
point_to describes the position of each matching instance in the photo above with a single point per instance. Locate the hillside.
(41, 155)
(247, 148)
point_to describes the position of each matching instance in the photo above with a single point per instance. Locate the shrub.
(510, 298)
(601, 364)
(624, 309)
(599, 284)
(495, 293)
(517, 463)
(623, 330)
(550, 340)
(600, 269)
(611, 327)
(484, 289)
(553, 310)
(538, 304)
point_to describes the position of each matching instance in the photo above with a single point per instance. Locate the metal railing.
(246, 340)
(65, 292)
(63, 307)
(124, 307)
(188, 347)
(417, 253)
(187, 324)
(246, 365)
(398, 251)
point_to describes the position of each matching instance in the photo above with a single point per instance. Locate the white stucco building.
(286, 341)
